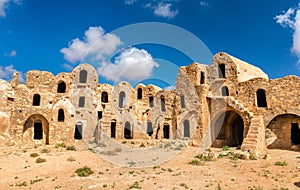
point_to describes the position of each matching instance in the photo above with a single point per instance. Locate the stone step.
(250, 140)
(254, 136)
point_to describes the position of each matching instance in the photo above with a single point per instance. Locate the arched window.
(61, 115)
(61, 87)
(36, 100)
(222, 71)
(127, 131)
(140, 93)
(182, 101)
(104, 97)
(81, 102)
(186, 130)
(162, 104)
(261, 98)
(225, 91)
(149, 128)
(82, 76)
(122, 99)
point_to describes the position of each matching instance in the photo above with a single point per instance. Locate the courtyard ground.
(19, 169)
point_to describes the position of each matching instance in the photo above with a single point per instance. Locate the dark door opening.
(295, 134)
(127, 131)
(38, 130)
(149, 128)
(186, 130)
(113, 129)
(99, 114)
(222, 71)
(166, 131)
(78, 132)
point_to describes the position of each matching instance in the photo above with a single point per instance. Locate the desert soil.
(19, 170)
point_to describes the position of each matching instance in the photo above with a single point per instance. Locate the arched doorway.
(38, 126)
(286, 129)
(127, 131)
(228, 129)
(166, 131)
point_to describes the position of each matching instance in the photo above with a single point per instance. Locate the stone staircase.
(231, 101)
(254, 142)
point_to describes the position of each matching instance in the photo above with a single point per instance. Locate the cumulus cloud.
(129, 2)
(204, 4)
(291, 19)
(132, 64)
(13, 53)
(164, 10)
(7, 73)
(96, 45)
(4, 5)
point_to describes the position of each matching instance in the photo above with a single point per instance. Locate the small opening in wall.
(99, 114)
(202, 78)
(151, 101)
(78, 132)
(11, 99)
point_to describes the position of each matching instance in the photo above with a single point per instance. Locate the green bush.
(195, 162)
(84, 172)
(226, 148)
(71, 148)
(62, 145)
(40, 160)
(284, 163)
(33, 155)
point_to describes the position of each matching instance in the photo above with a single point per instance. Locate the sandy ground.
(19, 170)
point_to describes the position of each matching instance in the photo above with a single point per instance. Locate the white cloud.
(131, 64)
(204, 4)
(96, 44)
(164, 10)
(7, 73)
(68, 67)
(13, 53)
(4, 6)
(291, 19)
(170, 88)
(129, 2)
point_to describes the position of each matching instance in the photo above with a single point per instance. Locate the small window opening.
(162, 104)
(261, 98)
(225, 91)
(104, 97)
(140, 93)
(81, 102)
(82, 76)
(61, 115)
(202, 78)
(151, 101)
(36, 100)
(182, 101)
(61, 87)
(122, 99)
(222, 71)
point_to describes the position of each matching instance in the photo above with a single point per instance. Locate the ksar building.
(229, 102)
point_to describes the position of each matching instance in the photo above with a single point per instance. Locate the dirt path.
(19, 170)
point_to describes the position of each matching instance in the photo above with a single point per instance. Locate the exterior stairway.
(254, 142)
(231, 101)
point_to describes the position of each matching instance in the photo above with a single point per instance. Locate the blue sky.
(57, 35)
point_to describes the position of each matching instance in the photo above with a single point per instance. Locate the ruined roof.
(246, 71)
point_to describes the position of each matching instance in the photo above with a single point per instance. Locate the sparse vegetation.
(33, 155)
(195, 162)
(118, 149)
(40, 160)
(84, 172)
(71, 159)
(21, 184)
(62, 145)
(72, 148)
(225, 148)
(142, 145)
(135, 185)
(35, 180)
(45, 150)
(184, 185)
(278, 163)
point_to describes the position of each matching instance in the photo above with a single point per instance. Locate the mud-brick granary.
(229, 102)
